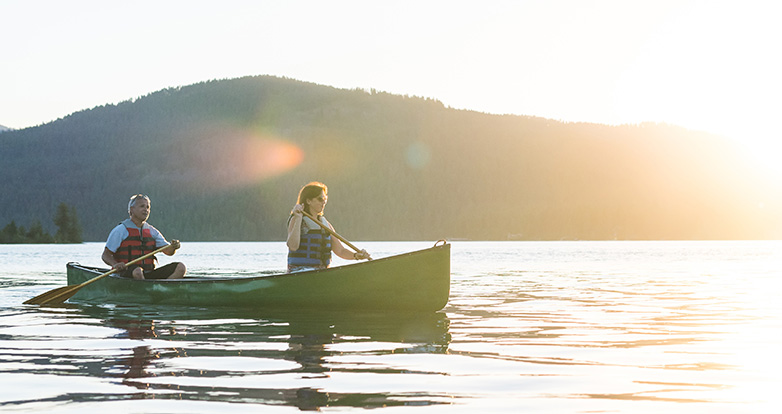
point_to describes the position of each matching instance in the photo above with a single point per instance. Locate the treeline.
(68, 229)
(223, 160)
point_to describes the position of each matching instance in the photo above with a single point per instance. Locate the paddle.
(333, 233)
(62, 294)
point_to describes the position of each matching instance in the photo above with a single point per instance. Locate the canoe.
(415, 281)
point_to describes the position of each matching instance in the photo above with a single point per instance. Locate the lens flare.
(264, 158)
(230, 158)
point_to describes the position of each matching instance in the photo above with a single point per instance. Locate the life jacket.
(314, 249)
(137, 244)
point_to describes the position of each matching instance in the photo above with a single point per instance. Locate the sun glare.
(765, 149)
(710, 67)
(266, 157)
(231, 158)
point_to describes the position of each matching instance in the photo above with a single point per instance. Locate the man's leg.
(179, 272)
(174, 270)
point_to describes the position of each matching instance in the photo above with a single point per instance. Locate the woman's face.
(317, 204)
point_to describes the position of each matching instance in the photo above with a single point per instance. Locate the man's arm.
(161, 241)
(108, 258)
(115, 239)
(172, 248)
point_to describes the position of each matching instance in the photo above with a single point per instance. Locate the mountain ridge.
(224, 159)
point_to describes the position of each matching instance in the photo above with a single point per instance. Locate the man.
(134, 238)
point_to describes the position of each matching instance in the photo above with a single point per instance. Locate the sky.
(706, 65)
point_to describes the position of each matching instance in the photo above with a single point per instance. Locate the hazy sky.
(710, 65)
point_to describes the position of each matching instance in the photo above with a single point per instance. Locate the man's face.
(140, 209)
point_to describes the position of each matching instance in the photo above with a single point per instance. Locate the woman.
(310, 246)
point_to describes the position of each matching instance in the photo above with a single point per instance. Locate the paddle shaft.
(333, 233)
(62, 294)
(132, 262)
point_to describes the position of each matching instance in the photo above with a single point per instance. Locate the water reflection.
(135, 366)
(198, 354)
(530, 327)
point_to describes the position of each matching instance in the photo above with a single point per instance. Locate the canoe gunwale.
(212, 279)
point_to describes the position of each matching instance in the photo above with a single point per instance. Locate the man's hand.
(171, 248)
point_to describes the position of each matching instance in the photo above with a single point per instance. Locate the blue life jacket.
(314, 250)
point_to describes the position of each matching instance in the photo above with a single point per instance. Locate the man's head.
(138, 207)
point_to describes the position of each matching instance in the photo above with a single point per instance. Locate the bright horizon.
(704, 65)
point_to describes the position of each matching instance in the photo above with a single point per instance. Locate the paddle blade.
(54, 296)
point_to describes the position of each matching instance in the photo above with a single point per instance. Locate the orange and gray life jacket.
(137, 244)
(314, 250)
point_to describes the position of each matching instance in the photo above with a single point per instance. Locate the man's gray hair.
(133, 200)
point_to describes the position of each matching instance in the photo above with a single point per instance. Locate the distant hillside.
(220, 160)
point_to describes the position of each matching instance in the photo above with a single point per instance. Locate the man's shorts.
(159, 273)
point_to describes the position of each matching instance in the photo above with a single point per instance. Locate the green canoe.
(416, 281)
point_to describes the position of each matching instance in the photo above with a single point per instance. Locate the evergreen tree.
(75, 226)
(10, 233)
(68, 227)
(37, 234)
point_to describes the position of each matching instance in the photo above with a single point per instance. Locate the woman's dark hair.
(310, 191)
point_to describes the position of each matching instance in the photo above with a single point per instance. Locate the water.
(554, 327)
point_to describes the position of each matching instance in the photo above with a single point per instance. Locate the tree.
(68, 227)
(37, 234)
(10, 233)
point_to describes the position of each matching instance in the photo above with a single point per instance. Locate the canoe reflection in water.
(202, 355)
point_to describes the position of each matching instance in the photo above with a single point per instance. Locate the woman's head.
(313, 197)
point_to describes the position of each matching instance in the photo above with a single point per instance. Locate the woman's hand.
(297, 210)
(361, 255)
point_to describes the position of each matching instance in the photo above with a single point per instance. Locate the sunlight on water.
(562, 327)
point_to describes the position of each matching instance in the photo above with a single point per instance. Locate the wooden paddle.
(62, 294)
(333, 233)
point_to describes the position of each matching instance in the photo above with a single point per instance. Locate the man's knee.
(138, 273)
(179, 272)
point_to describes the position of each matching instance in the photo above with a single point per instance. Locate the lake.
(549, 327)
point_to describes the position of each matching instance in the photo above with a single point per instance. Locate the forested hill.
(223, 160)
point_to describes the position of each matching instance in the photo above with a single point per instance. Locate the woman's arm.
(345, 253)
(294, 228)
(340, 250)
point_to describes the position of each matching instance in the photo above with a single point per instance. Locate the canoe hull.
(416, 281)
